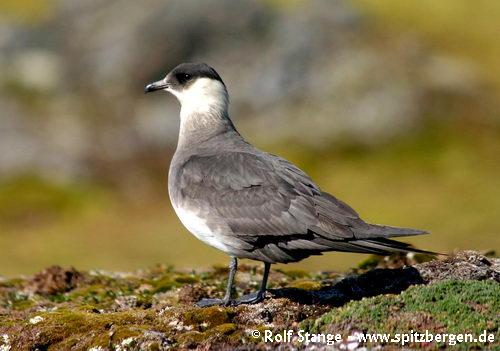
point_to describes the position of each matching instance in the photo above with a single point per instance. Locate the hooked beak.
(159, 85)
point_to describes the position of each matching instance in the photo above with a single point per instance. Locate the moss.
(128, 331)
(12, 283)
(459, 305)
(64, 328)
(7, 322)
(195, 338)
(224, 329)
(164, 284)
(106, 309)
(16, 301)
(96, 295)
(452, 306)
(102, 292)
(191, 339)
(211, 316)
(186, 279)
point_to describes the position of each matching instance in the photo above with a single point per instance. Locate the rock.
(54, 280)
(464, 265)
(153, 309)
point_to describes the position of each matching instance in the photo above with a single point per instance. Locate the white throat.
(204, 96)
(204, 109)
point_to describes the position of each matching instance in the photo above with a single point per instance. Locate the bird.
(249, 203)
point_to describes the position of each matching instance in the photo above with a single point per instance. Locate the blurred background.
(393, 106)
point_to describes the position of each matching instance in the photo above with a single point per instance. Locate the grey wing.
(272, 211)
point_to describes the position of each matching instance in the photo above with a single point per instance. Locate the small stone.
(36, 319)
(125, 303)
(5, 343)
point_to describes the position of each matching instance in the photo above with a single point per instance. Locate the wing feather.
(271, 206)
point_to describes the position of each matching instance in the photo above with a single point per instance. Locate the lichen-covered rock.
(464, 265)
(154, 309)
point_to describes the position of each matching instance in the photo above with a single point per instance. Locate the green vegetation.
(448, 306)
(153, 309)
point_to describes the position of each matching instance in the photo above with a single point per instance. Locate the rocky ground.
(63, 309)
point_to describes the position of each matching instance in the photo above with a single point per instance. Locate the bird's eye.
(183, 77)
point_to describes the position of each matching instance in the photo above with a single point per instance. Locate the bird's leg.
(258, 296)
(226, 301)
(233, 267)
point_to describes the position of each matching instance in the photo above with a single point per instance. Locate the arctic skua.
(249, 203)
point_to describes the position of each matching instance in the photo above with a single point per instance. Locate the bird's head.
(197, 86)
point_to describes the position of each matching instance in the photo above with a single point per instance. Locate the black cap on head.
(183, 75)
(195, 70)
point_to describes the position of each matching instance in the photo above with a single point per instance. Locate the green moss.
(23, 304)
(16, 300)
(12, 283)
(102, 292)
(459, 305)
(128, 331)
(7, 322)
(96, 295)
(224, 329)
(219, 332)
(212, 316)
(64, 327)
(164, 286)
(186, 279)
(449, 306)
(169, 280)
(87, 316)
(191, 338)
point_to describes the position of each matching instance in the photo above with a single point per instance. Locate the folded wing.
(274, 212)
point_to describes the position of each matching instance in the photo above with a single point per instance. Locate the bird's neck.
(198, 126)
(204, 113)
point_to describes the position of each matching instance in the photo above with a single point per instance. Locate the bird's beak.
(159, 85)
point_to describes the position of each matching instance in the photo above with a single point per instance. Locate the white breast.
(198, 227)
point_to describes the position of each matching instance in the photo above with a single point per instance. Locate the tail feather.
(387, 246)
(385, 231)
(374, 237)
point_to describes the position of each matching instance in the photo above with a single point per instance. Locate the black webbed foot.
(249, 299)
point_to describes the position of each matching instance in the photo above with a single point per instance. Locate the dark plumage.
(249, 203)
(272, 211)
